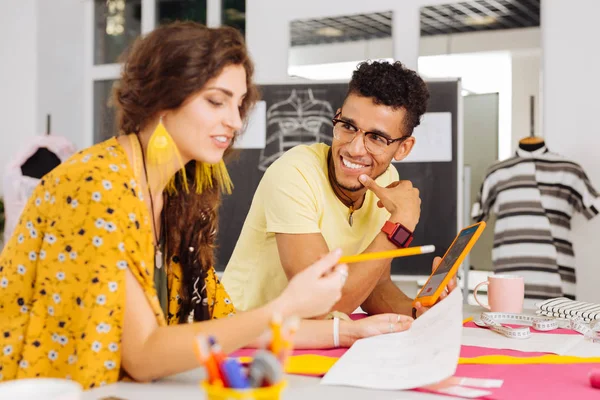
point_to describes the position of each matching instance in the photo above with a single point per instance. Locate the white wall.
(525, 83)
(61, 68)
(486, 41)
(18, 78)
(267, 29)
(571, 67)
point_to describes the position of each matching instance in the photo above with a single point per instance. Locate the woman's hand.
(315, 290)
(351, 331)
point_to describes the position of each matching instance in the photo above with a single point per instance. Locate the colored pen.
(207, 360)
(234, 375)
(218, 356)
(276, 338)
(410, 251)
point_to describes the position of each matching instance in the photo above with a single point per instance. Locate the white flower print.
(52, 355)
(73, 255)
(107, 185)
(121, 246)
(110, 227)
(21, 269)
(103, 328)
(56, 298)
(122, 264)
(112, 286)
(50, 310)
(33, 233)
(32, 256)
(52, 200)
(24, 309)
(74, 203)
(7, 350)
(132, 183)
(62, 257)
(132, 217)
(113, 168)
(38, 202)
(23, 364)
(63, 340)
(110, 148)
(47, 196)
(42, 254)
(97, 241)
(86, 158)
(55, 337)
(29, 225)
(60, 276)
(113, 347)
(21, 238)
(101, 300)
(96, 196)
(4, 283)
(227, 300)
(103, 383)
(72, 359)
(109, 364)
(50, 238)
(96, 346)
(100, 223)
(230, 314)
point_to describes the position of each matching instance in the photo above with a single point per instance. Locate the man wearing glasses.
(317, 198)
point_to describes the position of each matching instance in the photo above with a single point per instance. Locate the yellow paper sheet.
(312, 364)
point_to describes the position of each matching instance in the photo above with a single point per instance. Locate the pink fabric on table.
(536, 381)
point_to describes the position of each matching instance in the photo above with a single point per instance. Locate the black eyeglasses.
(375, 143)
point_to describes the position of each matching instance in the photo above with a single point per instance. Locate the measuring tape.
(495, 321)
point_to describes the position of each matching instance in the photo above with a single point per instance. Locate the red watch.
(397, 233)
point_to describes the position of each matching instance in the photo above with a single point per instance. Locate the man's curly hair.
(393, 85)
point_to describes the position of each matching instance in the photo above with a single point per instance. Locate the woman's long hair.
(160, 72)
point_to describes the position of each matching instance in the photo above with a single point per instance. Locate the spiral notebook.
(562, 307)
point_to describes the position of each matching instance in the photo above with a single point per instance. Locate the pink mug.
(505, 293)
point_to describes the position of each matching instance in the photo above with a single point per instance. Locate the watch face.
(401, 236)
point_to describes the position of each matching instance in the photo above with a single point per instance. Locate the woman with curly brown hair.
(114, 250)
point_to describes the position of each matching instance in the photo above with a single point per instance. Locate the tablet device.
(462, 244)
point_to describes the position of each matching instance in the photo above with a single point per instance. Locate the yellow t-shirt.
(295, 196)
(62, 273)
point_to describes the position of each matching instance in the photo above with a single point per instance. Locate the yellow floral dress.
(62, 274)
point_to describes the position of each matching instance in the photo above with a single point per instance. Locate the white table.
(186, 386)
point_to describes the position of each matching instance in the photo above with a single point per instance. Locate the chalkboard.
(437, 181)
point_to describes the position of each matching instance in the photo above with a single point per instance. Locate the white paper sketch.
(299, 119)
(433, 139)
(425, 354)
(255, 134)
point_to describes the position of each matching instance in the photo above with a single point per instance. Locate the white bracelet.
(336, 332)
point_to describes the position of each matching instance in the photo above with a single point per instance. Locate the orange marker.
(276, 338)
(218, 356)
(207, 360)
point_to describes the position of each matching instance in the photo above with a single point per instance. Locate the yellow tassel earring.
(207, 175)
(164, 156)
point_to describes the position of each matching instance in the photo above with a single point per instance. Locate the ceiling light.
(329, 31)
(480, 20)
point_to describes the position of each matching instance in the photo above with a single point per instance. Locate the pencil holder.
(264, 393)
